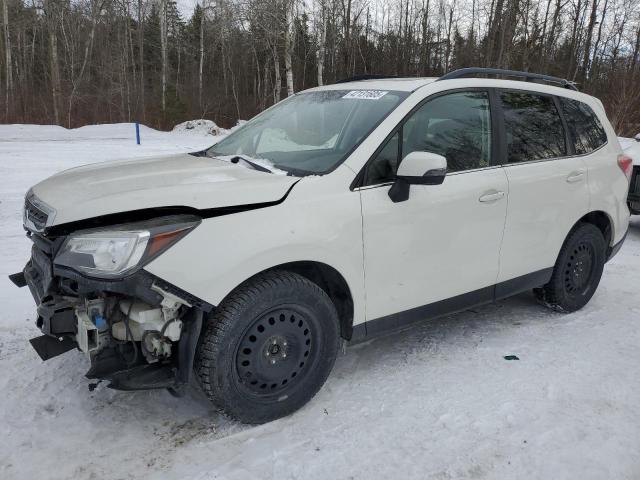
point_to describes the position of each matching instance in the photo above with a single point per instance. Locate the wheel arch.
(333, 284)
(330, 280)
(601, 220)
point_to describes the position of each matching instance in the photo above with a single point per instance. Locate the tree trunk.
(201, 65)
(163, 51)
(7, 47)
(277, 87)
(322, 36)
(494, 32)
(636, 54)
(141, 107)
(288, 65)
(587, 47)
(599, 36)
(55, 64)
(87, 50)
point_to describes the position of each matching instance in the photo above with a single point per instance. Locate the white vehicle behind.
(631, 147)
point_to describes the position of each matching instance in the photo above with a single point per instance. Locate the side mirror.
(417, 168)
(637, 137)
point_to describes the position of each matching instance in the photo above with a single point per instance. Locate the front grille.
(35, 215)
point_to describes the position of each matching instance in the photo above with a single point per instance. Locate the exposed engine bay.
(139, 332)
(108, 321)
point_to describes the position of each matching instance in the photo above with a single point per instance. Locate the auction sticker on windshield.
(366, 94)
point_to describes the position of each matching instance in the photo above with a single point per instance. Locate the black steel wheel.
(577, 272)
(579, 268)
(269, 347)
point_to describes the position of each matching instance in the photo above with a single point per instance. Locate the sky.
(186, 7)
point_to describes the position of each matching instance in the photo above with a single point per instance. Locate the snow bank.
(17, 132)
(205, 127)
(201, 127)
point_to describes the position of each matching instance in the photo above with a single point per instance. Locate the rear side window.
(585, 128)
(533, 127)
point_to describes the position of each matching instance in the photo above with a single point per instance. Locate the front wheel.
(577, 271)
(269, 347)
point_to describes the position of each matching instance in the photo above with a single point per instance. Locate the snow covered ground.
(435, 401)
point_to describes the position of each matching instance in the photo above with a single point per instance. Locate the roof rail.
(357, 78)
(527, 76)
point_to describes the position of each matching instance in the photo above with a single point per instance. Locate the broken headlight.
(116, 251)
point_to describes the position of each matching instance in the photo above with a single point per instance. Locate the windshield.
(310, 133)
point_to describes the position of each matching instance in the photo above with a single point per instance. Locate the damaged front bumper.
(139, 332)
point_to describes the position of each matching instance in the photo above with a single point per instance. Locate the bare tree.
(289, 31)
(8, 61)
(81, 61)
(163, 48)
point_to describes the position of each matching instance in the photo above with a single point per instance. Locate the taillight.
(625, 162)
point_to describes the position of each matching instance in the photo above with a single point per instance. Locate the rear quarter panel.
(608, 185)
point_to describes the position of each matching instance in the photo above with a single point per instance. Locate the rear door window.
(533, 127)
(585, 129)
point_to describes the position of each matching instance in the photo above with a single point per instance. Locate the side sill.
(396, 321)
(522, 284)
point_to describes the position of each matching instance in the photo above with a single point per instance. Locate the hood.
(173, 181)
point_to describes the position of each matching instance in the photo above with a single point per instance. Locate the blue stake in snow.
(137, 133)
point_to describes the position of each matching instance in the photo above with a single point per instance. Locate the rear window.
(533, 127)
(586, 130)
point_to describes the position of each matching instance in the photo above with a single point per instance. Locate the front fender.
(222, 252)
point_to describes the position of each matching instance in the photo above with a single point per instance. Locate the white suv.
(342, 212)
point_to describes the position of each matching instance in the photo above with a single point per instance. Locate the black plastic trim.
(193, 322)
(522, 284)
(18, 279)
(568, 138)
(634, 190)
(498, 153)
(48, 347)
(613, 251)
(459, 303)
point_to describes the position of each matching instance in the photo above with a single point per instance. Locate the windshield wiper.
(255, 165)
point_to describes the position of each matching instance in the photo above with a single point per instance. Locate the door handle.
(576, 176)
(491, 197)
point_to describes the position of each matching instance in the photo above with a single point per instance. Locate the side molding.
(459, 303)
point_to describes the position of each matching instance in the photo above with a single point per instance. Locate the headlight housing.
(117, 251)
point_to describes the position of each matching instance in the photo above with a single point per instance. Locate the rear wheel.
(269, 347)
(577, 272)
